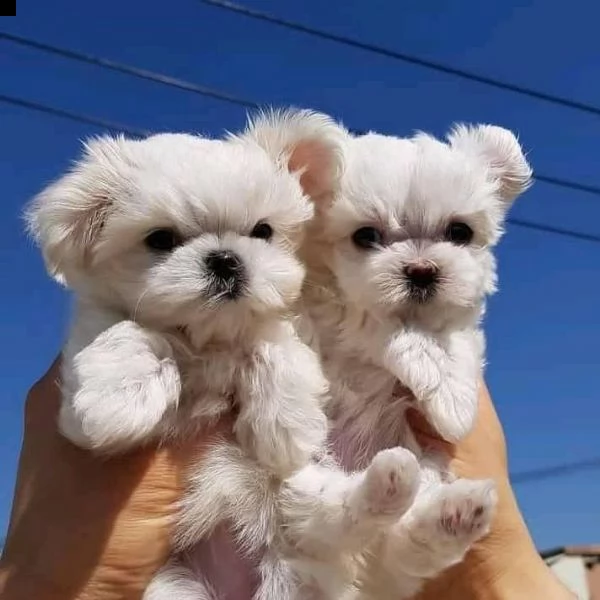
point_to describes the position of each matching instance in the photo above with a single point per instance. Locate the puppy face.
(180, 231)
(412, 229)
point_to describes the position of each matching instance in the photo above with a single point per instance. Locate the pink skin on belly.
(231, 575)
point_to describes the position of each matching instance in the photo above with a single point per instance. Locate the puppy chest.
(367, 383)
(212, 383)
(365, 399)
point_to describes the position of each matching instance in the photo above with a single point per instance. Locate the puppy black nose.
(224, 264)
(421, 276)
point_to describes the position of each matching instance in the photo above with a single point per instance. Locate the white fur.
(384, 349)
(315, 525)
(161, 347)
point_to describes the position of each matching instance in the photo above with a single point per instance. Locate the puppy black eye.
(262, 231)
(162, 240)
(367, 237)
(459, 233)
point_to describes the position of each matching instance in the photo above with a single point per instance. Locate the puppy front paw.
(390, 484)
(451, 410)
(118, 389)
(415, 364)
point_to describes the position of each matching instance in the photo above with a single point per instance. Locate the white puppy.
(181, 251)
(399, 268)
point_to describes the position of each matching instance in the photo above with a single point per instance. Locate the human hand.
(82, 527)
(505, 564)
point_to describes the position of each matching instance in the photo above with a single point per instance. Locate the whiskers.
(391, 288)
(138, 303)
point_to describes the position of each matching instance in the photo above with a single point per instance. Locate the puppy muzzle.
(227, 274)
(422, 280)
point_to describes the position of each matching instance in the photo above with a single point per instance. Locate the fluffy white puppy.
(400, 264)
(181, 251)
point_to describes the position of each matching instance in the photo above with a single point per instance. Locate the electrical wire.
(555, 471)
(404, 57)
(130, 70)
(72, 116)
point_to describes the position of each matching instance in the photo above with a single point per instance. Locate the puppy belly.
(349, 453)
(355, 446)
(218, 561)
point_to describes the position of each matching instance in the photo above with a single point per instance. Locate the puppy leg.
(117, 385)
(443, 379)
(278, 579)
(227, 486)
(325, 511)
(437, 532)
(281, 421)
(176, 582)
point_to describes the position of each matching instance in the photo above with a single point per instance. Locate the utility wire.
(117, 127)
(130, 70)
(555, 471)
(216, 94)
(77, 117)
(586, 237)
(401, 56)
(567, 183)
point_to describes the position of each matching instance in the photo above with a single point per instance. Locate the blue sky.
(543, 327)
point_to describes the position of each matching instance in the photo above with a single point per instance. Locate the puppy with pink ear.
(399, 267)
(182, 254)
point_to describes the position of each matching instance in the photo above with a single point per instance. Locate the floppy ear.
(304, 142)
(66, 218)
(501, 152)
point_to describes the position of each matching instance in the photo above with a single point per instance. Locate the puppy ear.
(66, 218)
(306, 143)
(500, 150)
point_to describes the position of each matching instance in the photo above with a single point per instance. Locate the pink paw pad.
(467, 518)
(467, 508)
(391, 482)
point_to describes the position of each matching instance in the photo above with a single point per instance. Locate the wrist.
(19, 584)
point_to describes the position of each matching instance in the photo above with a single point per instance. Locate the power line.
(77, 117)
(117, 127)
(130, 70)
(555, 471)
(587, 237)
(567, 183)
(401, 56)
(214, 93)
